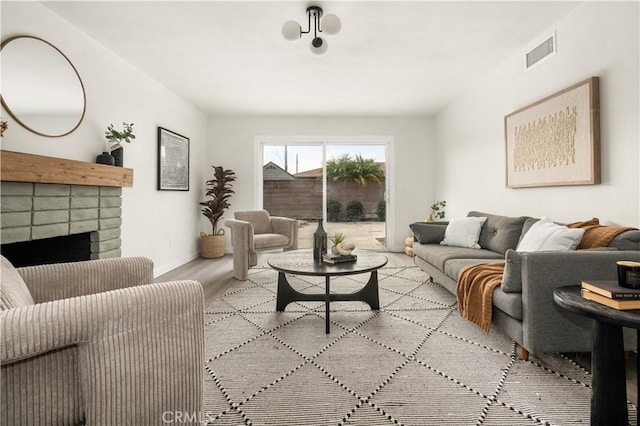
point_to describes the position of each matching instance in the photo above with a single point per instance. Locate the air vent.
(541, 51)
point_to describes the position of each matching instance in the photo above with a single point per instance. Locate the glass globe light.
(319, 46)
(331, 24)
(291, 30)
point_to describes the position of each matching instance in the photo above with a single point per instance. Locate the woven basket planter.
(212, 246)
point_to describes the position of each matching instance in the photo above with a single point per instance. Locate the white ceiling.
(391, 57)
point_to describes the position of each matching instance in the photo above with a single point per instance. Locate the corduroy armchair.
(255, 230)
(93, 342)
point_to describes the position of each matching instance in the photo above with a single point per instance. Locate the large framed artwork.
(173, 161)
(556, 140)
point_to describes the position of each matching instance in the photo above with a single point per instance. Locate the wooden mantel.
(21, 167)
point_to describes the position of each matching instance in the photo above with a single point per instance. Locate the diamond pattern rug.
(413, 362)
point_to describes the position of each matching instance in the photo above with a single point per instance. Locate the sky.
(301, 158)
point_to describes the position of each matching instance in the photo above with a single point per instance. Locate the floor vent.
(541, 51)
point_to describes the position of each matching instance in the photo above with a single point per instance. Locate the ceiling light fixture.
(331, 25)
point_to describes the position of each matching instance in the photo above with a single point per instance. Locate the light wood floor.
(216, 275)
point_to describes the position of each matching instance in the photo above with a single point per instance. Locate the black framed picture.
(173, 161)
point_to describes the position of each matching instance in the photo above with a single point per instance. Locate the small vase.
(319, 242)
(105, 158)
(118, 155)
(334, 250)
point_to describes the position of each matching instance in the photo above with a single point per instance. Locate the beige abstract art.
(555, 141)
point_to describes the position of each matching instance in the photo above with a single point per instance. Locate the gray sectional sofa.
(523, 306)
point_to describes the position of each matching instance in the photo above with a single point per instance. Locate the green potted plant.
(337, 238)
(219, 190)
(115, 138)
(437, 211)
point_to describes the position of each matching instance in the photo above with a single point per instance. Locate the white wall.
(596, 39)
(232, 146)
(163, 225)
(465, 167)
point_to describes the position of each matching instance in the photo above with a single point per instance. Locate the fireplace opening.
(68, 248)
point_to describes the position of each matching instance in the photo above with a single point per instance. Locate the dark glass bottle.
(118, 155)
(319, 242)
(105, 158)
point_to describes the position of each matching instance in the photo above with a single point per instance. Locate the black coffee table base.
(367, 294)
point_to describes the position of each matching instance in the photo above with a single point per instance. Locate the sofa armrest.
(241, 234)
(548, 327)
(66, 280)
(143, 345)
(286, 226)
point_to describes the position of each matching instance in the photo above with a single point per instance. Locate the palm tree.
(359, 170)
(337, 170)
(367, 170)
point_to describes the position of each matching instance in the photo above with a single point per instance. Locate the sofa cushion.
(629, 240)
(453, 267)
(597, 235)
(13, 291)
(546, 235)
(528, 223)
(463, 232)
(259, 218)
(269, 241)
(437, 254)
(499, 233)
(509, 303)
(428, 232)
(512, 277)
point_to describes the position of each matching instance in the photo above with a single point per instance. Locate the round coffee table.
(301, 262)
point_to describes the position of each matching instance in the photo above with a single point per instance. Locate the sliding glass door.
(292, 186)
(342, 183)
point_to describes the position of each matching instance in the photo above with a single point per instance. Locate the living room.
(455, 153)
(441, 156)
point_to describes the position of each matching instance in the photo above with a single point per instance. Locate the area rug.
(413, 362)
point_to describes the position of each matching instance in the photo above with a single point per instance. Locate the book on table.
(621, 304)
(610, 289)
(333, 259)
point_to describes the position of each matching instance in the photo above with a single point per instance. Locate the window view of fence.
(355, 186)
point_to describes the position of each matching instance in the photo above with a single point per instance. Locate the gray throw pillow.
(512, 277)
(628, 240)
(499, 233)
(428, 232)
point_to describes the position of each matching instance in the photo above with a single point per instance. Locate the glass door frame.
(260, 141)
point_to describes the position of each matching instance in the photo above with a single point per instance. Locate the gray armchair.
(92, 342)
(255, 230)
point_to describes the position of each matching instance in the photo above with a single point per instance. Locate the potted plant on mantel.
(115, 138)
(219, 190)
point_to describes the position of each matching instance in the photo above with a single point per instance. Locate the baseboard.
(161, 270)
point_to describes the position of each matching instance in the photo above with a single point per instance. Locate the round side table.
(608, 395)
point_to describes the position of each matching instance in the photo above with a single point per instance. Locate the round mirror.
(41, 89)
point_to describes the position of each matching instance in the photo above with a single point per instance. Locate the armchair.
(92, 342)
(255, 230)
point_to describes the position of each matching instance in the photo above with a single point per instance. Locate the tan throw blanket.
(475, 292)
(596, 235)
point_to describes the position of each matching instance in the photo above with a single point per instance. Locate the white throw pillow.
(463, 232)
(546, 235)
